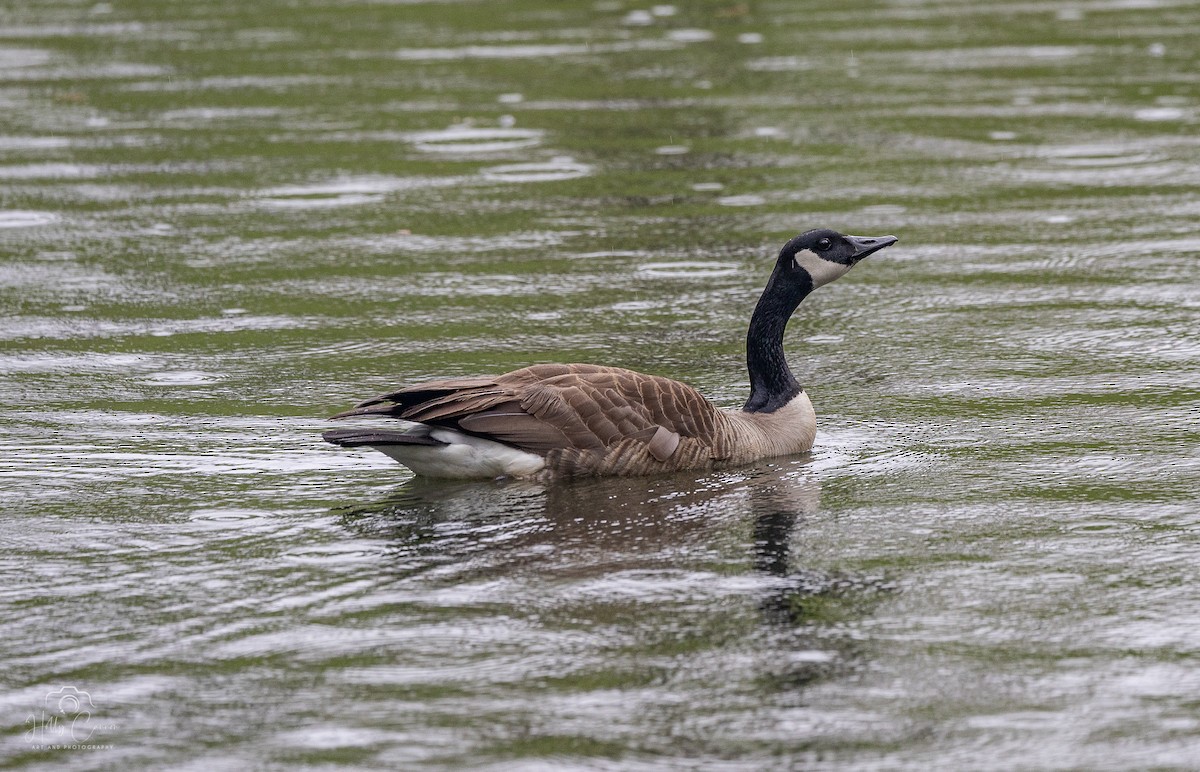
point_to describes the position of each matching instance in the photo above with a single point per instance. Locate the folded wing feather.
(550, 409)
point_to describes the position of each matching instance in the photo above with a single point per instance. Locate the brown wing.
(547, 409)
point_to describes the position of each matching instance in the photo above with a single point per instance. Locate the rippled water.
(223, 221)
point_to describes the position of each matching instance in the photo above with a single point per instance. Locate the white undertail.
(464, 457)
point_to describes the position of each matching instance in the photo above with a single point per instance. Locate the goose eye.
(824, 244)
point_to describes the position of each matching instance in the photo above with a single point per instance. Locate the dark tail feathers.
(357, 438)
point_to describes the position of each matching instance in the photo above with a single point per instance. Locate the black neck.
(772, 384)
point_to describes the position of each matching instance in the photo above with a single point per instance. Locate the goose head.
(822, 255)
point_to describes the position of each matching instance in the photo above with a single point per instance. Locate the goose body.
(575, 420)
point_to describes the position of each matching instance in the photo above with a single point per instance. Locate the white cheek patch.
(821, 270)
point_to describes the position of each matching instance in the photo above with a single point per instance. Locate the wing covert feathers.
(584, 419)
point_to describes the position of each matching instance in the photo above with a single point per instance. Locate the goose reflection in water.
(678, 528)
(609, 520)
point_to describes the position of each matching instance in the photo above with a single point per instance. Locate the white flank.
(464, 457)
(821, 270)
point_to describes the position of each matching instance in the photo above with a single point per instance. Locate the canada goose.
(551, 420)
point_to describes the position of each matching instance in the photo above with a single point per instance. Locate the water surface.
(220, 222)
